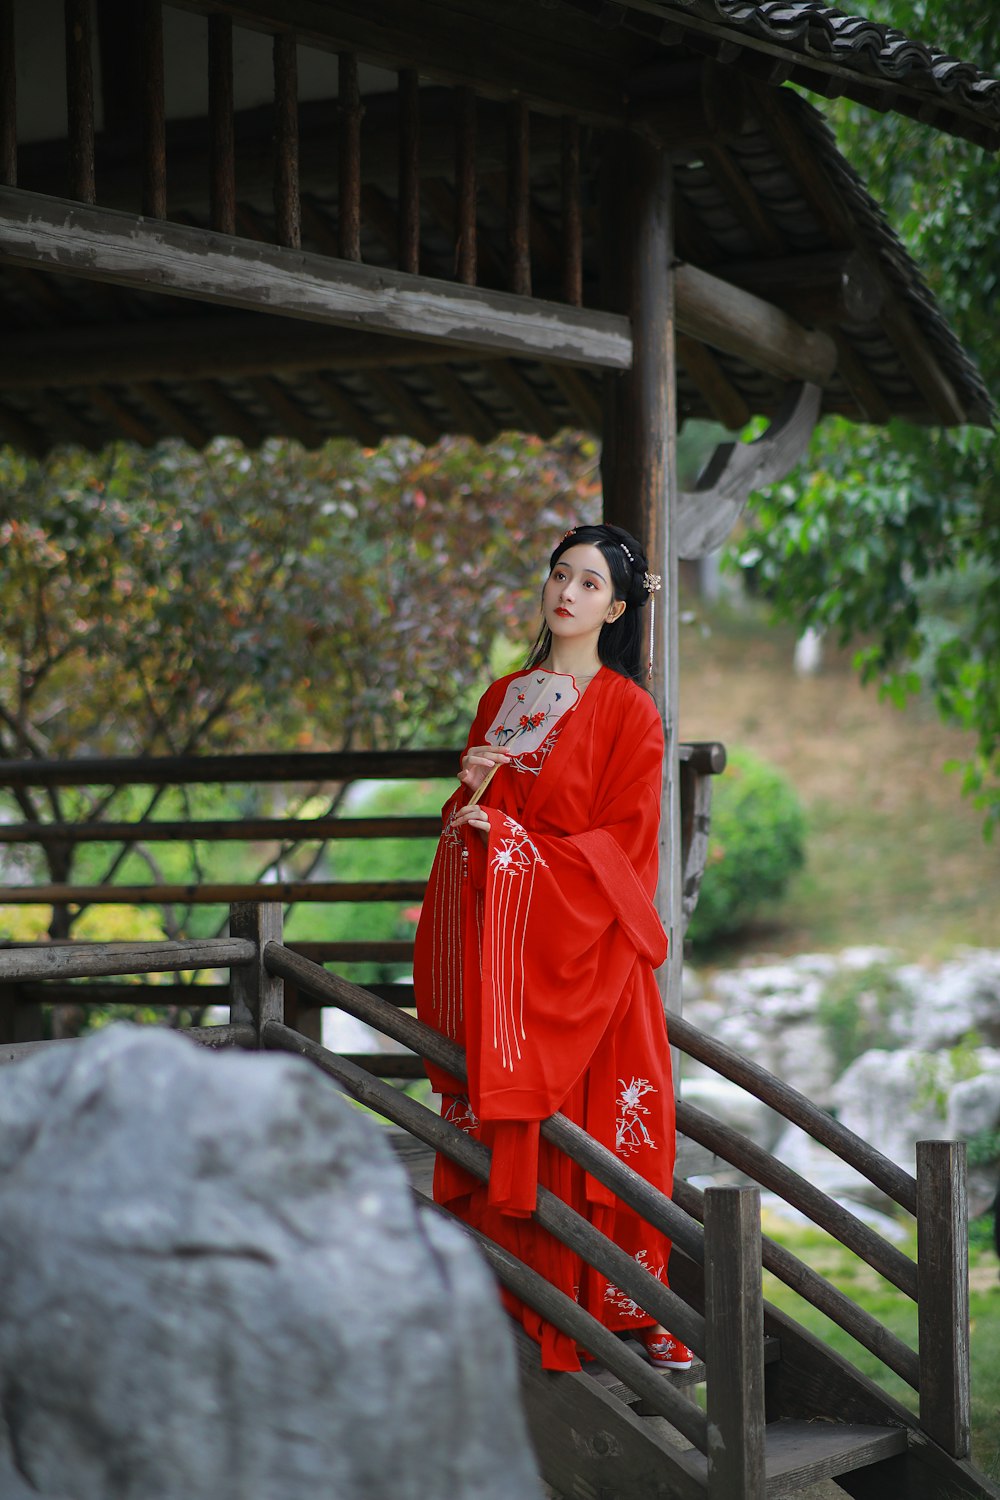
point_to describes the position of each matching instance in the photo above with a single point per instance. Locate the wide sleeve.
(565, 919)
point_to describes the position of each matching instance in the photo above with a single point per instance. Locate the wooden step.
(800, 1454)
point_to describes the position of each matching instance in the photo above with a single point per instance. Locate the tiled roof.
(867, 57)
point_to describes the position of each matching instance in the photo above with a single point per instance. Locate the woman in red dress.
(538, 939)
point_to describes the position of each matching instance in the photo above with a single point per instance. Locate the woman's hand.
(477, 817)
(477, 762)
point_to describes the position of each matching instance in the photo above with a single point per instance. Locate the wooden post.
(734, 1339)
(349, 206)
(518, 200)
(572, 219)
(255, 995)
(943, 1294)
(80, 101)
(221, 131)
(287, 215)
(638, 464)
(154, 137)
(8, 97)
(465, 188)
(409, 171)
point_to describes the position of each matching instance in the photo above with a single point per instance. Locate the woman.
(538, 937)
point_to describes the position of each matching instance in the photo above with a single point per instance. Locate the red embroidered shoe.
(664, 1352)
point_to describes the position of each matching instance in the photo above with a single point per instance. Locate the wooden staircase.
(784, 1411)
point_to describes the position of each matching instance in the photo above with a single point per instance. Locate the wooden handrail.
(769, 1172)
(213, 895)
(596, 1159)
(567, 1315)
(72, 961)
(164, 831)
(785, 1100)
(569, 1227)
(707, 757)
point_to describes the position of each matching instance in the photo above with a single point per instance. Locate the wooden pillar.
(287, 210)
(943, 1294)
(254, 994)
(638, 464)
(222, 153)
(8, 97)
(154, 128)
(80, 100)
(734, 1344)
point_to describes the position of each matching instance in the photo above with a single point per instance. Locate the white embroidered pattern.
(621, 1301)
(446, 946)
(461, 1113)
(514, 864)
(631, 1132)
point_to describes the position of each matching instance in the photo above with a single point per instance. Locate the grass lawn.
(899, 1314)
(895, 855)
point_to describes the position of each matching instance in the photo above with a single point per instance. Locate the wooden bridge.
(783, 1411)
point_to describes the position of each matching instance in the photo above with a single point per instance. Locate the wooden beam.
(210, 267)
(223, 347)
(707, 514)
(871, 403)
(943, 1286)
(826, 287)
(745, 203)
(8, 97)
(724, 401)
(727, 318)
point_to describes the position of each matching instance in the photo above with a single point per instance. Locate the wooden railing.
(699, 763)
(715, 1300)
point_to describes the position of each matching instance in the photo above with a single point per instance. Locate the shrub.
(859, 1008)
(755, 847)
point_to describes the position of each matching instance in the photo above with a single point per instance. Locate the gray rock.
(974, 1103)
(217, 1287)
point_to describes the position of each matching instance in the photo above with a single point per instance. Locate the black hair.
(619, 644)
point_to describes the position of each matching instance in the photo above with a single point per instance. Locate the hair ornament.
(652, 582)
(627, 553)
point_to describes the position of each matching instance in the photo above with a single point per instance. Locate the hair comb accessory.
(627, 553)
(570, 532)
(652, 582)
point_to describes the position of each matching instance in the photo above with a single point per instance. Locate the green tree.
(891, 537)
(173, 602)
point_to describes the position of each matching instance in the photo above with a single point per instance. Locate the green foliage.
(891, 537)
(936, 1073)
(757, 844)
(858, 1008)
(173, 602)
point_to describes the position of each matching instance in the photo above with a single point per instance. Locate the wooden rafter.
(173, 416)
(290, 416)
(737, 322)
(121, 417)
(722, 398)
(403, 405)
(349, 414)
(122, 249)
(465, 411)
(531, 412)
(229, 417)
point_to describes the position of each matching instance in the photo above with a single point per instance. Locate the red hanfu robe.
(536, 951)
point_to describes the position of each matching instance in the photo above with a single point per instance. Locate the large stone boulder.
(216, 1286)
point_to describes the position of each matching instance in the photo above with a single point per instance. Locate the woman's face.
(578, 598)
